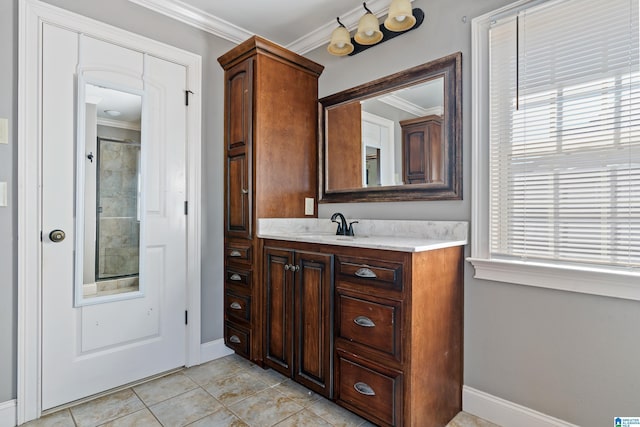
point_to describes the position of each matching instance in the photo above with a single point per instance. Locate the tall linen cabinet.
(271, 149)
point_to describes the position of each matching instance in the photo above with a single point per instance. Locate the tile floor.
(225, 392)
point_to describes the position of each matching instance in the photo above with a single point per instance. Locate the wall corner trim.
(504, 412)
(212, 350)
(8, 413)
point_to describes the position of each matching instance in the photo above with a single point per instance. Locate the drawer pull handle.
(234, 339)
(364, 321)
(366, 273)
(236, 277)
(235, 253)
(364, 388)
(235, 306)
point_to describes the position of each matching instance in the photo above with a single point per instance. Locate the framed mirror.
(397, 138)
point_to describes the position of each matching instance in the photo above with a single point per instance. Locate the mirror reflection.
(397, 135)
(395, 138)
(112, 193)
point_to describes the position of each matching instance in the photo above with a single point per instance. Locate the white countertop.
(396, 235)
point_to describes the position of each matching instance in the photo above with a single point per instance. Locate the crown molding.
(198, 18)
(118, 124)
(411, 108)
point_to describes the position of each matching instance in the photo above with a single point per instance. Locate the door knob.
(57, 236)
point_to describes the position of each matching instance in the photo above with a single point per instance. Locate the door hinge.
(186, 317)
(41, 235)
(186, 207)
(186, 97)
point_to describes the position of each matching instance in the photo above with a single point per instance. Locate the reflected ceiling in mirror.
(396, 138)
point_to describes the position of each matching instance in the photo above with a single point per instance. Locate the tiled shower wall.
(119, 228)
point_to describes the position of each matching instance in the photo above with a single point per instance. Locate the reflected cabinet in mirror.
(395, 138)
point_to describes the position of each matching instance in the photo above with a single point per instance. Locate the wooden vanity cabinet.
(423, 152)
(398, 335)
(270, 143)
(393, 337)
(298, 292)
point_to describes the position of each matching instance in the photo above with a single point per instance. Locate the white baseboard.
(8, 414)
(213, 350)
(505, 413)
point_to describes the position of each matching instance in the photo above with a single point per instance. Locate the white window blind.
(564, 134)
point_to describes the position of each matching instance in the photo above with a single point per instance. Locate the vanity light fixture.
(401, 18)
(340, 43)
(368, 32)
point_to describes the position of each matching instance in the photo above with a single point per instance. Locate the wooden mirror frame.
(449, 67)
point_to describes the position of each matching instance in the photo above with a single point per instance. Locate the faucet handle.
(350, 228)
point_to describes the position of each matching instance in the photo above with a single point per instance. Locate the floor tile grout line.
(146, 406)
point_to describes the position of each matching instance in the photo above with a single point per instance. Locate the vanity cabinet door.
(238, 130)
(313, 290)
(298, 288)
(278, 294)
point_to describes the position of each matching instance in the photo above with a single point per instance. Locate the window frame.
(591, 279)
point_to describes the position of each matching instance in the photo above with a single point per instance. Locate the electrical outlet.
(4, 130)
(3, 194)
(309, 206)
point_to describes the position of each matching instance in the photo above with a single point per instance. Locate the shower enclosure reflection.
(111, 158)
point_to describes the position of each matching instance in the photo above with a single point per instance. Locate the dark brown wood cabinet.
(398, 335)
(298, 291)
(423, 151)
(396, 328)
(270, 134)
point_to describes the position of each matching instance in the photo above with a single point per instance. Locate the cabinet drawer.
(237, 306)
(374, 393)
(237, 253)
(237, 338)
(375, 324)
(371, 272)
(238, 277)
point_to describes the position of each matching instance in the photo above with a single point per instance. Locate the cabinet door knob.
(364, 321)
(287, 267)
(245, 191)
(295, 268)
(234, 339)
(364, 388)
(235, 253)
(366, 273)
(235, 277)
(235, 306)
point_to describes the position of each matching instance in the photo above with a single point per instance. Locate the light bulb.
(400, 18)
(369, 33)
(340, 45)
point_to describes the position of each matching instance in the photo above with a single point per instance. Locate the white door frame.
(32, 14)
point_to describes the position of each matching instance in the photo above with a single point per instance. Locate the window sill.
(592, 281)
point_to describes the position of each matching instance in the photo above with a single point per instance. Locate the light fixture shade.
(340, 44)
(400, 16)
(368, 30)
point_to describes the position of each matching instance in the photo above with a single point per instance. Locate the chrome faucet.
(344, 229)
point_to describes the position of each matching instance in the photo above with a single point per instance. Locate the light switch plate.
(3, 194)
(309, 205)
(4, 130)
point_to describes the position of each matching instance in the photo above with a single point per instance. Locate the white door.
(91, 343)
